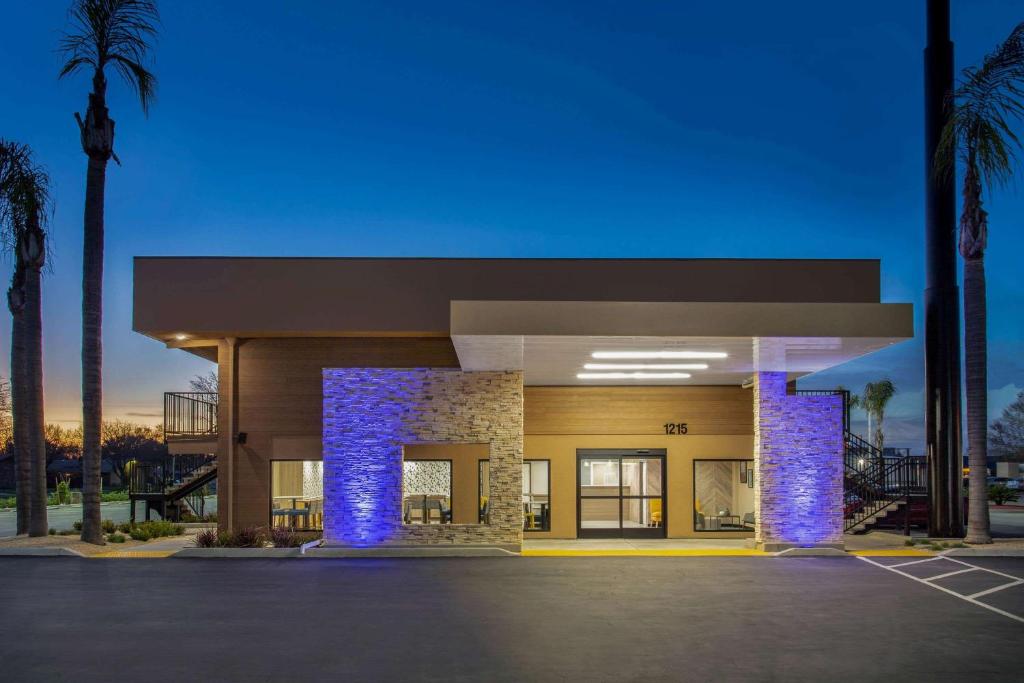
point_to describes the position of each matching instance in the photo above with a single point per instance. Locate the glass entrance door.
(620, 493)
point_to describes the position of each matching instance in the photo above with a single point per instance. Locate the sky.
(531, 129)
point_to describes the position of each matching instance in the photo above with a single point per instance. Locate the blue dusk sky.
(531, 129)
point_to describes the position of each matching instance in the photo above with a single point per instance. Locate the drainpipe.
(941, 294)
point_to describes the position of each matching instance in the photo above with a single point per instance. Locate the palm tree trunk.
(33, 373)
(22, 459)
(976, 362)
(92, 349)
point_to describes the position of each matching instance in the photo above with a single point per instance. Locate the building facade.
(484, 401)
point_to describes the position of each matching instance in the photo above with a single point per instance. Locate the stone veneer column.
(370, 414)
(798, 466)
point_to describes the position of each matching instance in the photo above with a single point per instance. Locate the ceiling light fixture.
(633, 375)
(645, 366)
(659, 355)
(181, 337)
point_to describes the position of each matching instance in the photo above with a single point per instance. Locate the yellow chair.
(656, 512)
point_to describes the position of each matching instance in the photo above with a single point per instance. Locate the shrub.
(116, 538)
(248, 537)
(1001, 494)
(53, 532)
(125, 527)
(139, 534)
(114, 497)
(77, 526)
(283, 538)
(8, 502)
(157, 529)
(64, 491)
(208, 538)
(108, 526)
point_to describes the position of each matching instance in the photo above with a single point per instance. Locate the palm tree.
(875, 398)
(24, 203)
(113, 33)
(979, 135)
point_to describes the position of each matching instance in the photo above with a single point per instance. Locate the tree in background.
(1007, 434)
(124, 442)
(6, 421)
(978, 134)
(24, 211)
(114, 33)
(208, 383)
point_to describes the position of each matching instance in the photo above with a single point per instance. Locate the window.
(427, 491)
(536, 495)
(297, 494)
(723, 495)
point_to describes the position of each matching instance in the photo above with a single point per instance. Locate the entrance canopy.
(675, 343)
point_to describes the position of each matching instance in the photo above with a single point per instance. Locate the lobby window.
(297, 494)
(536, 495)
(723, 495)
(427, 491)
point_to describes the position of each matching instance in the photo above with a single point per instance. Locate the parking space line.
(984, 569)
(959, 571)
(997, 588)
(965, 598)
(904, 564)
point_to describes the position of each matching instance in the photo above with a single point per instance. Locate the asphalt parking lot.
(517, 619)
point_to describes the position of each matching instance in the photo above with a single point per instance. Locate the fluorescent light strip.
(646, 366)
(662, 355)
(633, 375)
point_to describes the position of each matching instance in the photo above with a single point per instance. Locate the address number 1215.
(675, 428)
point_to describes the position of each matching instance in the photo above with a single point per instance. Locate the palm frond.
(24, 193)
(114, 32)
(988, 99)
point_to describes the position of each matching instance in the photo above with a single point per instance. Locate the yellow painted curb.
(892, 553)
(668, 552)
(123, 554)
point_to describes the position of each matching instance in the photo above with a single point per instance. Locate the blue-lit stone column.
(798, 466)
(370, 414)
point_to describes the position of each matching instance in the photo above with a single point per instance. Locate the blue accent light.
(363, 436)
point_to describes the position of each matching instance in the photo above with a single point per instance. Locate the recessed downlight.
(645, 366)
(181, 337)
(660, 355)
(633, 375)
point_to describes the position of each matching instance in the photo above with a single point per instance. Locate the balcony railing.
(190, 414)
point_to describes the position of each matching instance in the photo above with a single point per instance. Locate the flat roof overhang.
(550, 341)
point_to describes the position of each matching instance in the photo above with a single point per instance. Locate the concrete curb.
(39, 552)
(410, 551)
(813, 552)
(237, 553)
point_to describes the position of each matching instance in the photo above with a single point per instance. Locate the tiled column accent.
(798, 466)
(371, 413)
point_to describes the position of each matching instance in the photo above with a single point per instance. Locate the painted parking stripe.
(948, 574)
(904, 564)
(997, 588)
(965, 598)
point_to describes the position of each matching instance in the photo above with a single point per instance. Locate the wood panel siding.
(281, 380)
(280, 401)
(638, 410)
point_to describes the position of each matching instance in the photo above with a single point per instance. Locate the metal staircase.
(879, 486)
(176, 483)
